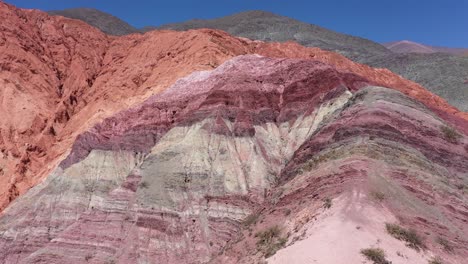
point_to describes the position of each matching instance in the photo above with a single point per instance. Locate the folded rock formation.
(174, 179)
(199, 147)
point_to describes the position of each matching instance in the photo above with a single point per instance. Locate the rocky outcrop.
(199, 172)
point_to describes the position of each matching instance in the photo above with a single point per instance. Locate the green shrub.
(376, 255)
(412, 239)
(270, 240)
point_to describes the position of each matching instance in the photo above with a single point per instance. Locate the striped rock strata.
(59, 77)
(192, 174)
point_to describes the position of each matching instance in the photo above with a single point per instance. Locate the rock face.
(187, 175)
(199, 147)
(107, 23)
(61, 76)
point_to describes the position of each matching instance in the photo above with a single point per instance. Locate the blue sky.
(433, 22)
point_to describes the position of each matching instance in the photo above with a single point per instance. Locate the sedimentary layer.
(60, 77)
(191, 174)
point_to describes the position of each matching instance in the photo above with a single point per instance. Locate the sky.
(432, 22)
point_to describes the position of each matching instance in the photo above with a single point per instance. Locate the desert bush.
(435, 260)
(450, 134)
(270, 240)
(88, 257)
(144, 184)
(379, 196)
(376, 255)
(410, 236)
(251, 219)
(445, 244)
(327, 203)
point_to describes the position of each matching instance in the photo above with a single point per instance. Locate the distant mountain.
(266, 26)
(444, 74)
(406, 46)
(107, 23)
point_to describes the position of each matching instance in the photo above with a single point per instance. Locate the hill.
(106, 22)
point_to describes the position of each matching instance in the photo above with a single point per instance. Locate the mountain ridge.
(407, 46)
(106, 22)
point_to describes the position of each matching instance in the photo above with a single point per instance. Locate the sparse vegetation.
(445, 244)
(144, 184)
(327, 203)
(378, 196)
(450, 134)
(410, 236)
(270, 241)
(287, 211)
(110, 261)
(376, 255)
(435, 260)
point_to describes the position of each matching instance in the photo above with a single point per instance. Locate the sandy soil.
(338, 235)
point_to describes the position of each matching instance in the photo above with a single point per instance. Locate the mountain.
(444, 77)
(437, 75)
(444, 74)
(406, 46)
(265, 26)
(201, 147)
(107, 23)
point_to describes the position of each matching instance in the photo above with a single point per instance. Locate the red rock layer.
(61, 76)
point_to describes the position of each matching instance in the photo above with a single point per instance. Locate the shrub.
(379, 196)
(435, 260)
(251, 219)
(412, 239)
(144, 184)
(327, 203)
(450, 134)
(270, 240)
(88, 257)
(445, 244)
(376, 255)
